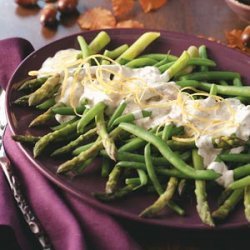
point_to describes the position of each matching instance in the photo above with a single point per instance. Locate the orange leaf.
(122, 7)
(129, 24)
(97, 18)
(234, 40)
(148, 5)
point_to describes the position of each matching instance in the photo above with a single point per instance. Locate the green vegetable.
(169, 154)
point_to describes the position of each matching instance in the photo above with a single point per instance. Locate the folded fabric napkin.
(69, 223)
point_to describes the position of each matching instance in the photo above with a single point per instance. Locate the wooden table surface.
(199, 17)
(206, 17)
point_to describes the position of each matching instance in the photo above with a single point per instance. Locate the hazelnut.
(26, 2)
(245, 37)
(48, 15)
(67, 6)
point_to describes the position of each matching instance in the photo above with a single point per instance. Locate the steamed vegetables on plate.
(159, 122)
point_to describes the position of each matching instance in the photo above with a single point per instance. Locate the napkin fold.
(69, 223)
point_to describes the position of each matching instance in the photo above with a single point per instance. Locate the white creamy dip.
(226, 177)
(147, 89)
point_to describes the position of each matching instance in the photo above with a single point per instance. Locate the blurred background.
(211, 18)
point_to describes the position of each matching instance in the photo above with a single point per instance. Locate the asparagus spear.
(99, 42)
(200, 192)
(30, 139)
(44, 141)
(89, 115)
(44, 117)
(163, 199)
(112, 183)
(73, 144)
(108, 143)
(33, 84)
(91, 152)
(138, 46)
(45, 91)
(223, 211)
(247, 202)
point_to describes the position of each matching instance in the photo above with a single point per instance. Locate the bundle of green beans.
(135, 159)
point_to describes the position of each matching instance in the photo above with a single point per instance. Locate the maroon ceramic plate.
(84, 185)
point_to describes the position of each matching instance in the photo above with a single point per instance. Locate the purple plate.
(91, 181)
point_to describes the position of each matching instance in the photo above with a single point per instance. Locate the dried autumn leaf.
(97, 18)
(234, 40)
(122, 7)
(148, 5)
(129, 24)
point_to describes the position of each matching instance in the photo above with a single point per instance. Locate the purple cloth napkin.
(69, 223)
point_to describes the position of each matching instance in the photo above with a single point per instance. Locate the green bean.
(211, 76)
(33, 84)
(150, 169)
(46, 104)
(161, 62)
(158, 161)
(237, 158)
(117, 113)
(140, 62)
(89, 115)
(138, 46)
(108, 143)
(45, 91)
(247, 202)
(163, 171)
(137, 143)
(168, 128)
(99, 42)
(159, 57)
(84, 47)
(241, 171)
(83, 148)
(132, 116)
(203, 54)
(200, 192)
(237, 82)
(143, 178)
(75, 143)
(190, 62)
(223, 211)
(239, 184)
(162, 201)
(69, 110)
(44, 141)
(223, 90)
(244, 100)
(223, 83)
(171, 172)
(169, 154)
(62, 125)
(133, 181)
